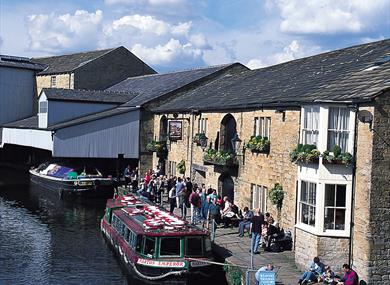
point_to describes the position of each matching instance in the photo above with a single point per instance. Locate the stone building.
(336, 183)
(93, 70)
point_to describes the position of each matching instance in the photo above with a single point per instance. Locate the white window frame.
(202, 125)
(339, 131)
(301, 203)
(43, 107)
(259, 197)
(308, 123)
(262, 126)
(335, 207)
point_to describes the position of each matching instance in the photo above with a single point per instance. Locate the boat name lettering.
(161, 263)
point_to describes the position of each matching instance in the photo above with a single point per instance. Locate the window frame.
(170, 237)
(310, 205)
(339, 132)
(305, 125)
(53, 81)
(45, 107)
(335, 207)
(201, 244)
(262, 126)
(259, 190)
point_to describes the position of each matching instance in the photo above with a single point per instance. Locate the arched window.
(228, 131)
(163, 128)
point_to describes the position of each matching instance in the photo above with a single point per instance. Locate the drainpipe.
(191, 144)
(352, 223)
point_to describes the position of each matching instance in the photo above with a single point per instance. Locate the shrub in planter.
(258, 144)
(181, 167)
(276, 195)
(306, 153)
(337, 157)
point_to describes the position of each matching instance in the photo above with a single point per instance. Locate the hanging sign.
(175, 130)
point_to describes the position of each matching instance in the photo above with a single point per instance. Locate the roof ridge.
(76, 53)
(89, 90)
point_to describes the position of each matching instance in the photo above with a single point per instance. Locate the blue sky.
(177, 34)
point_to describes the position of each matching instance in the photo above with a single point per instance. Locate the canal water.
(45, 240)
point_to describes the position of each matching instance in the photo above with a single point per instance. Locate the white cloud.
(255, 63)
(330, 16)
(150, 2)
(171, 51)
(51, 33)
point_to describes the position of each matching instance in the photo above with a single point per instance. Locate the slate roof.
(19, 62)
(69, 62)
(27, 123)
(150, 87)
(352, 74)
(93, 96)
(92, 117)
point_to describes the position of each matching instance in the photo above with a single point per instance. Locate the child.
(328, 276)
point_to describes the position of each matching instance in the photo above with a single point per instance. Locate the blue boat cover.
(59, 171)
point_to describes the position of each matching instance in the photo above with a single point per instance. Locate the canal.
(45, 240)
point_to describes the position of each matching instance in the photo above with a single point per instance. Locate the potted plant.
(258, 144)
(276, 195)
(181, 167)
(305, 153)
(199, 137)
(219, 157)
(337, 157)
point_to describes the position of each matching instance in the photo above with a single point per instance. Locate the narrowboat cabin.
(155, 244)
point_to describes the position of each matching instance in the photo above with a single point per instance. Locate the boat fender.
(120, 250)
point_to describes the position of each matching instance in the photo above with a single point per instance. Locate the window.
(310, 125)
(43, 107)
(126, 235)
(194, 246)
(53, 81)
(207, 244)
(202, 125)
(307, 203)
(262, 126)
(338, 128)
(149, 246)
(259, 197)
(138, 243)
(170, 246)
(335, 207)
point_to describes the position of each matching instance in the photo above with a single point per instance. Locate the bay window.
(338, 128)
(307, 203)
(310, 125)
(335, 207)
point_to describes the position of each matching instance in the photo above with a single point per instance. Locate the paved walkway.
(235, 250)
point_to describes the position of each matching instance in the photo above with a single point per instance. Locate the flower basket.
(276, 195)
(305, 153)
(157, 146)
(258, 144)
(199, 138)
(216, 157)
(337, 157)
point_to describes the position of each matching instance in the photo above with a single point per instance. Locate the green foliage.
(276, 195)
(199, 137)
(218, 157)
(258, 144)
(306, 153)
(233, 274)
(181, 167)
(337, 157)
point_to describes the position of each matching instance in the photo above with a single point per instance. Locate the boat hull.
(76, 188)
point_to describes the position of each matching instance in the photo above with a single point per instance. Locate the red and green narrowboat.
(153, 243)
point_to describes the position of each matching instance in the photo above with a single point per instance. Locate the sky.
(172, 35)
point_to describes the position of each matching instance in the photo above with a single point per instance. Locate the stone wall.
(146, 135)
(379, 226)
(259, 169)
(64, 80)
(332, 251)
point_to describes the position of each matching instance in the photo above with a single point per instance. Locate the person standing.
(196, 203)
(255, 229)
(180, 196)
(172, 199)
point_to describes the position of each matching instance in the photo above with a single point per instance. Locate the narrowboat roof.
(146, 218)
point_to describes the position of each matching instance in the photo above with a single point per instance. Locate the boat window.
(170, 246)
(194, 246)
(132, 240)
(139, 244)
(122, 229)
(207, 243)
(149, 246)
(127, 234)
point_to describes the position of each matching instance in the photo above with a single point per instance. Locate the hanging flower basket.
(276, 195)
(199, 138)
(181, 167)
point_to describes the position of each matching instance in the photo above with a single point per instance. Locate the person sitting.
(272, 232)
(268, 267)
(328, 276)
(316, 268)
(245, 222)
(270, 220)
(227, 213)
(350, 276)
